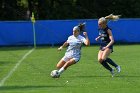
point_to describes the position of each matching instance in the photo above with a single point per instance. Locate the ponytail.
(109, 17)
(82, 27)
(112, 17)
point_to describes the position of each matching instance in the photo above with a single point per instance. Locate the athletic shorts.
(103, 45)
(66, 58)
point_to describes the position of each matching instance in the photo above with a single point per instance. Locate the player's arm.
(111, 38)
(97, 38)
(64, 45)
(87, 42)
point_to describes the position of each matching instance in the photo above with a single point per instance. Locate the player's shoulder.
(107, 28)
(80, 37)
(71, 36)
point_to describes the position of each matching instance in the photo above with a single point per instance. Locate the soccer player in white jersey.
(73, 52)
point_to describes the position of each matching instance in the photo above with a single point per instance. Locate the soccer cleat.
(118, 69)
(112, 72)
(57, 76)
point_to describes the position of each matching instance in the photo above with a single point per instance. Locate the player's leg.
(69, 63)
(106, 53)
(111, 62)
(60, 64)
(100, 56)
(66, 65)
(101, 60)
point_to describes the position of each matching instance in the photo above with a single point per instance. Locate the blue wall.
(57, 31)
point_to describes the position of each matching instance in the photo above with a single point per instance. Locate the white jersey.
(74, 48)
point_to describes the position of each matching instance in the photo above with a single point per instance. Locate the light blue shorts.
(66, 58)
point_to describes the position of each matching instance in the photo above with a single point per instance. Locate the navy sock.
(104, 63)
(111, 62)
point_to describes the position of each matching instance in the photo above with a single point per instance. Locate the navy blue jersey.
(104, 35)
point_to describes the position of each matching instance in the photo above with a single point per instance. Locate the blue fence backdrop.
(57, 31)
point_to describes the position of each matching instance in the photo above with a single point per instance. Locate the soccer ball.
(55, 74)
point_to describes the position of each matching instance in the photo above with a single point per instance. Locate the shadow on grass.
(128, 76)
(26, 87)
(90, 76)
(106, 76)
(4, 62)
(15, 48)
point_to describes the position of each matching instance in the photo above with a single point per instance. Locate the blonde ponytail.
(108, 18)
(112, 17)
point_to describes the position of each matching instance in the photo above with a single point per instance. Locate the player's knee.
(100, 60)
(58, 66)
(103, 59)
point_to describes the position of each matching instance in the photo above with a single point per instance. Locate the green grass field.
(24, 72)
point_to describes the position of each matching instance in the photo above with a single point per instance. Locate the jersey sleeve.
(68, 40)
(83, 39)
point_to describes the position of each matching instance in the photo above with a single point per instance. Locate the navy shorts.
(104, 45)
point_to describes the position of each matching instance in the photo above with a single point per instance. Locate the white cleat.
(112, 72)
(118, 69)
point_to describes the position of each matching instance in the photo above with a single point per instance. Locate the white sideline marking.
(15, 67)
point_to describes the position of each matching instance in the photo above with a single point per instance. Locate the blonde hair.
(112, 17)
(109, 17)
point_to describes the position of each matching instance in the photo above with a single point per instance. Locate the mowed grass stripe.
(15, 67)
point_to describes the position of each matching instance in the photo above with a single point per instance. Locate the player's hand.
(97, 39)
(60, 48)
(85, 34)
(104, 48)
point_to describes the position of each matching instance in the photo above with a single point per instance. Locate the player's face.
(75, 32)
(100, 24)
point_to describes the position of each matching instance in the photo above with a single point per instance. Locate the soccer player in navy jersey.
(106, 45)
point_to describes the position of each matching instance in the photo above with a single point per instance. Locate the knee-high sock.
(111, 62)
(104, 63)
(61, 70)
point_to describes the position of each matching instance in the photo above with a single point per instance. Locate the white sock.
(61, 70)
